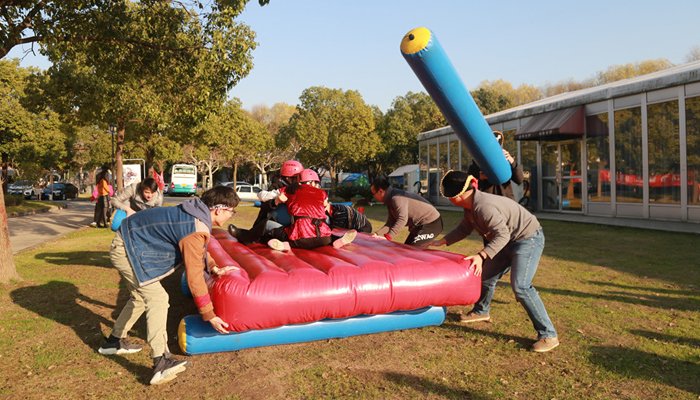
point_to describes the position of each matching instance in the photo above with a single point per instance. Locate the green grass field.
(626, 304)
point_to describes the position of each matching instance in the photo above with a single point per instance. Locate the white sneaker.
(278, 245)
(93, 224)
(345, 239)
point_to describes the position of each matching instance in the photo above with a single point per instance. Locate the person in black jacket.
(505, 189)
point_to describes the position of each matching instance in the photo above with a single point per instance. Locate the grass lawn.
(625, 302)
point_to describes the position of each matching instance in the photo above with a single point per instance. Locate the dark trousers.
(424, 233)
(101, 217)
(304, 243)
(256, 232)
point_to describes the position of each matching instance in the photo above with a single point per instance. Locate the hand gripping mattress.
(369, 276)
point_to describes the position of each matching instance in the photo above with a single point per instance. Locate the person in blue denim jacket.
(150, 245)
(513, 242)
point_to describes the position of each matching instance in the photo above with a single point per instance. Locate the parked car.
(166, 187)
(246, 191)
(24, 188)
(61, 191)
(238, 183)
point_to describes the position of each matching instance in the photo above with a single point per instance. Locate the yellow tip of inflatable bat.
(415, 40)
(182, 336)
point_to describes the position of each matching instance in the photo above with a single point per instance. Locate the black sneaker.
(233, 230)
(115, 345)
(167, 368)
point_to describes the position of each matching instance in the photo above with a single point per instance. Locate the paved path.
(32, 230)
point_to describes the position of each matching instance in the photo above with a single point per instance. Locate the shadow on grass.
(473, 328)
(635, 364)
(429, 388)
(93, 258)
(682, 300)
(61, 302)
(681, 341)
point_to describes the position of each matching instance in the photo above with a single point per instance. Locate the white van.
(183, 180)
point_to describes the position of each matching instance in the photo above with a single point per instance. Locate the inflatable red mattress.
(369, 276)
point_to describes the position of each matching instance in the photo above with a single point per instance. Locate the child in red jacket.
(306, 204)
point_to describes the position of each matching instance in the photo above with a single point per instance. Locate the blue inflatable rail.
(198, 337)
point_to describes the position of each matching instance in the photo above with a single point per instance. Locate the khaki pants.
(153, 299)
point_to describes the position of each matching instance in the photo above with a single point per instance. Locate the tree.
(564, 86)
(137, 76)
(207, 160)
(616, 73)
(335, 127)
(8, 270)
(398, 130)
(74, 21)
(694, 54)
(232, 135)
(14, 122)
(269, 155)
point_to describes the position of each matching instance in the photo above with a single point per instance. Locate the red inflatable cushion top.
(368, 276)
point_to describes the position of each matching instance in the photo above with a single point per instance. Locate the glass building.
(627, 149)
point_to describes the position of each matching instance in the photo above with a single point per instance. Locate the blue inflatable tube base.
(198, 337)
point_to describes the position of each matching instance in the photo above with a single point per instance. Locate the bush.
(345, 192)
(13, 200)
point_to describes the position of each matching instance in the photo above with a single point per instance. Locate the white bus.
(183, 180)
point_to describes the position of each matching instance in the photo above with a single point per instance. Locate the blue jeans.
(522, 257)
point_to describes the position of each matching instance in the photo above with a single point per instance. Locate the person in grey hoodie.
(514, 242)
(406, 209)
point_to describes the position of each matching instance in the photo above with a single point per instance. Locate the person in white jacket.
(138, 196)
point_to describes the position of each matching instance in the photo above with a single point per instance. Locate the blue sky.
(354, 45)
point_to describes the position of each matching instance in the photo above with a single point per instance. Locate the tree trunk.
(3, 178)
(8, 271)
(121, 127)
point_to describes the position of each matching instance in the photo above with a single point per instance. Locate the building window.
(550, 177)
(571, 192)
(528, 159)
(454, 155)
(628, 155)
(510, 144)
(598, 153)
(433, 181)
(466, 159)
(444, 163)
(692, 130)
(423, 167)
(664, 153)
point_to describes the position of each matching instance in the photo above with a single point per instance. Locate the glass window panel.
(692, 130)
(466, 159)
(433, 180)
(444, 161)
(550, 194)
(664, 153)
(423, 167)
(598, 153)
(571, 176)
(571, 192)
(528, 158)
(628, 155)
(454, 155)
(571, 159)
(550, 161)
(510, 144)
